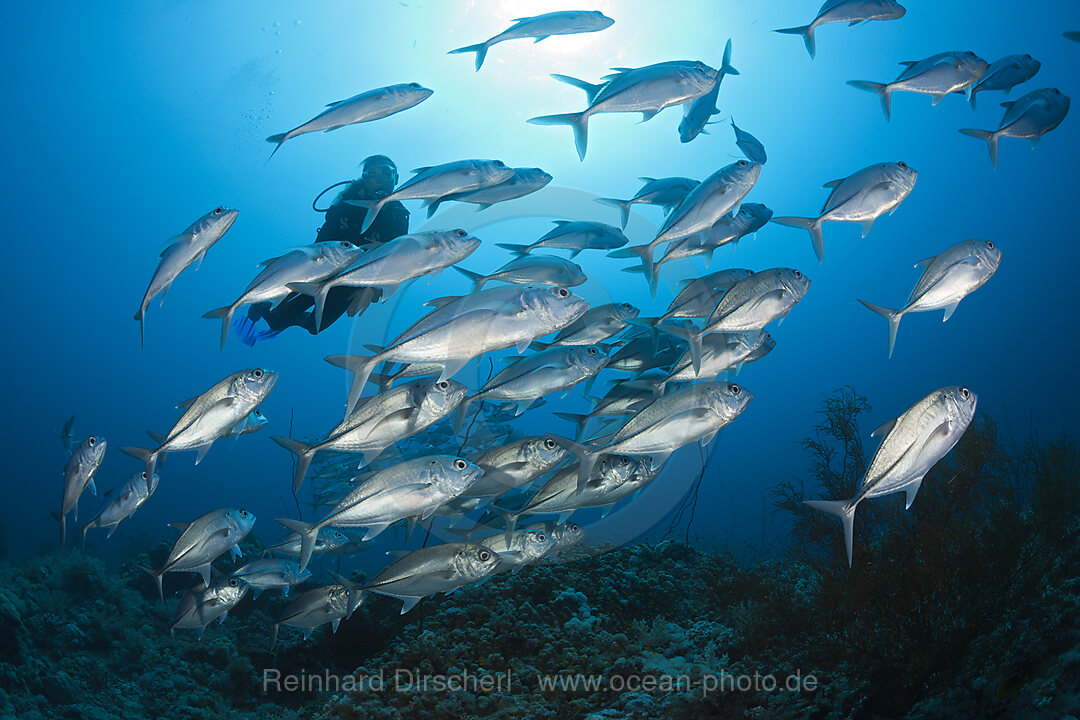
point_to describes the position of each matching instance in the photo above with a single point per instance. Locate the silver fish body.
(532, 269)
(852, 12)
(574, 236)
(1006, 73)
(946, 280)
(937, 76)
(203, 605)
(439, 568)
(329, 604)
(1030, 117)
(204, 540)
(79, 472)
(564, 22)
(123, 503)
(272, 574)
(524, 181)
(514, 464)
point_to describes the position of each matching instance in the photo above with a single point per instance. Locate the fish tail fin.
(480, 49)
(280, 139)
(157, 578)
(843, 509)
(812, 226)
(373, 207)
(649, 269)
(579, 121)
(140, 315)
(586, 456)
(303, 453)
(971, 99)
(477, 279)
(883, 91)
(991, 139)
(893, 316)
(579, 420)
(591, 89)
(149, 457)
(317, 291)
(623, 205)
(726, 67)
(691, 336)
(518, 250)
(361, 367)
(509, 517)
(807, 32)
(225, 315)
(308, 532)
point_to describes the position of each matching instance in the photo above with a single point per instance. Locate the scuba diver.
(343, 221)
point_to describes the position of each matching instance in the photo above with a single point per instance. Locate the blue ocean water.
(127, 121)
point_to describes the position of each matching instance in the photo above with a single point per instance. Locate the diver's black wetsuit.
(343, 222)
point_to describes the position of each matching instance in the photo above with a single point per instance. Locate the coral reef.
(965, 605)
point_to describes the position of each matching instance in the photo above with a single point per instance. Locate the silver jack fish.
(565, 22)
(365, 107)
(412, 489)
(211, 415)
(665, 192)
(203, 605)
(529, 269)
(851, 12)
(913, 443)
(123, 502)
(860, 198)
(1030, 117)
(936, 76)
(315, 608)
(514, 464)
(946, 280)
(574, 236)
(440, 568)
(272, 574)
(187, 248)
(697, 114)
(204, 540)
(1005, 74)
(78, 476)
(524, 181)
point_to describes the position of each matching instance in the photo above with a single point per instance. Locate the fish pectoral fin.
(91, 486)
(885, 429)
(911, 490)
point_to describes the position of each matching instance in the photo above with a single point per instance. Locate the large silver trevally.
(860, 198)
(700, 295)
(624, 398)
(439, 568)
(392, 263)
(936, 76)
(211, 415)
(272, 574)
(574, 236)
(436, 181)
(1006, 73)
(688, 415)
(252, 423)
(851, 12)
(714, 197)
(203, 605)
(697, 113)
(524, 181)
(514, 464)
(666, 192)
(518, 549)
(560, 496)
(524, 316)
(528, 379)
(946, 280)
(529, 269)
(411, 489)
(564, 22)
(720, 352)
(122, 503)
(729, 229)
(365, 107)
(204, 540)
(386, 418)
(187, 248)
(79, 474)
(646, 90)
(597, 324)
(1030, 117)
(750, 145)
(329, 540)
(314, 608)
(913, 443)
(312, 263)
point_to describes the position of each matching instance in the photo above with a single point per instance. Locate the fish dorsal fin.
(422, 169)
(885, 429)
(398, 554)
(560, 223)
(336, 102)
(908, 63)
(270, 261)
(187, 403)
(1008, 104)
(181, 526)
(441, 301)
(833, 184)
(647, 179)
(925, 262)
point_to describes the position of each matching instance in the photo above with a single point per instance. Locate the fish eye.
(414, 85)
(257, 374)
(460, 464)
(442, 385)
(90, 441)
(499, 163)
(903, 165)
(593, 351)
(796, 273)
(233, 582)
(460, 233)
(990, 244)
(345, 244)
(219, 209)
(965, 393)
(563, 292)
(541, 537)
(339, 536)
(143, 474)
(484, 555)
(743, 163)
(735, 389)
(244, 513)
(550, 444)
